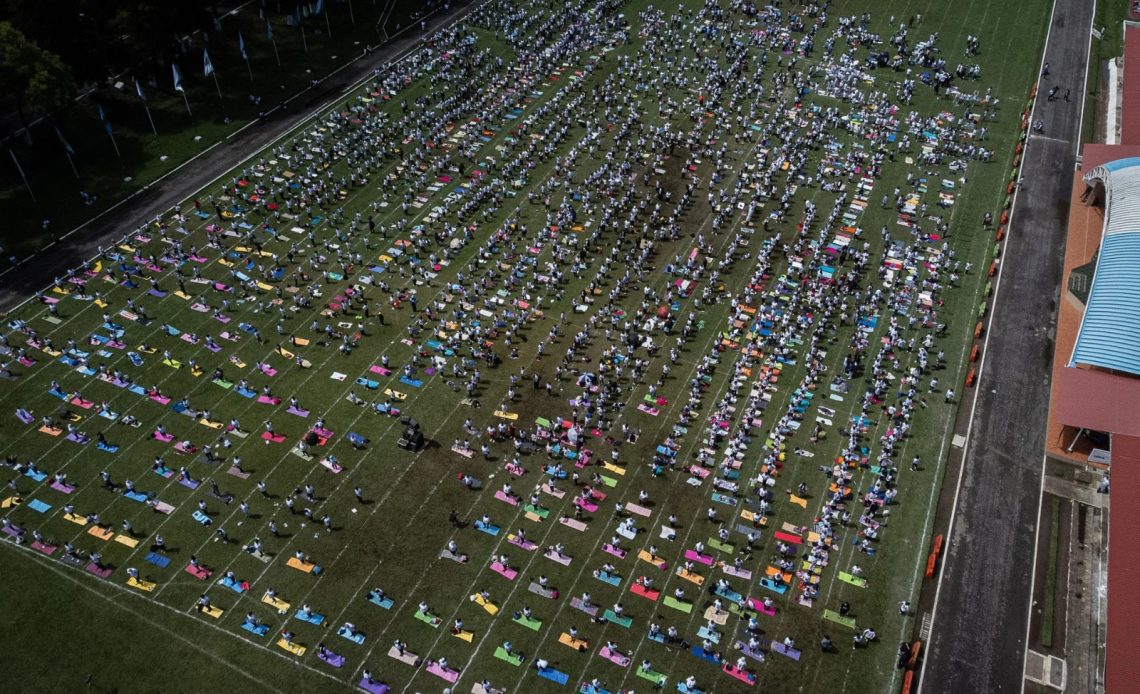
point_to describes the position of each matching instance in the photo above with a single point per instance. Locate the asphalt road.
(35, 274)
(978, 634)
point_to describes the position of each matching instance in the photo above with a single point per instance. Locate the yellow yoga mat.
(100, 533)
(305, 566)
(276, 603)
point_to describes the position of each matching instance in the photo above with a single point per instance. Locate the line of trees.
(100, 38)
(51, 49)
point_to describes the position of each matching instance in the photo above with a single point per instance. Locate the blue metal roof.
(1110, 330)
(1122, 164)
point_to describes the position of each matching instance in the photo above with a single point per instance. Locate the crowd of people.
(702, 176)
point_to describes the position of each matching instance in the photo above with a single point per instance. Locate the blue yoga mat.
(157, 559)
(39, 506)
(554, 675)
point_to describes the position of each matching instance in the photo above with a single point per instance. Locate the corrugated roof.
(1130, 97)
(1097, 400)
(1122, 669)
(1110, 330)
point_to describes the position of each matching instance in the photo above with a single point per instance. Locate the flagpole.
(24, 177)
(114, 144)
(351, 16)
(67, 151)
(215, 74)
(249, 69)
(304, 41)
(187, 102)
(327, 24)
(275, 53)
(73, 169)
(151, 119)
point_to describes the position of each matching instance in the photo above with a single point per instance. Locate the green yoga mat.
(651, 675)
(512, 658)
(611, 616)
(429, 619)
(676, 604)
(853, 580)
(722, 546)
(834, 616)
(532, 624)
(540, 512)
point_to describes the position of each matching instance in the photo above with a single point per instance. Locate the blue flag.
(66, 147)
(269, 29)
(139, 91)
(177, 79)
(241, 48)
(207, 66)
(103, 117)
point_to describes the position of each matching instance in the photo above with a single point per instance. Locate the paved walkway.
(33, 275)
(1083, 493)
(1086, 607)
(979, 623)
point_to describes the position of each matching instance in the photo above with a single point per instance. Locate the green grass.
(154, 650)
(1110, 16)
(145, 156)
(1048, 602)
(392, 542)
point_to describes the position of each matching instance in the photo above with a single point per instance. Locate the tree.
(71, 29)
(150, 30)
(36, 79)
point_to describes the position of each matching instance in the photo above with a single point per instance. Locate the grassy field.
(1110, 16)
(391, 540)
(274, 74)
